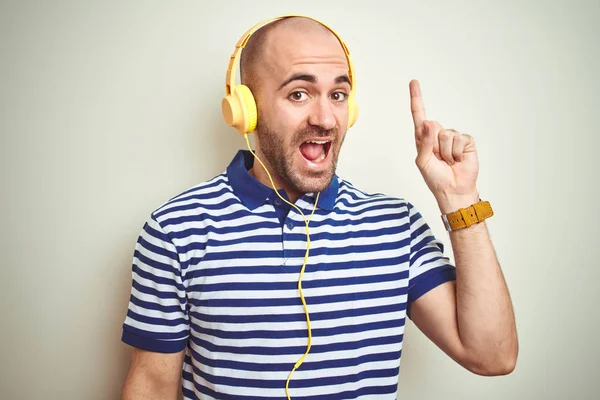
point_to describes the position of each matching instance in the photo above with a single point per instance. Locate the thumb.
(425, 145)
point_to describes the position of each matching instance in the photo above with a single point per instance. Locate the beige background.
(109, 109)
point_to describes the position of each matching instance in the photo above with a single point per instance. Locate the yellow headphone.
(238, 105)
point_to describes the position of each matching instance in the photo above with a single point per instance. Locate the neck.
(258, 172)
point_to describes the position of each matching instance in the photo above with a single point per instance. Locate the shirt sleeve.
(428, 267)
(157, 318)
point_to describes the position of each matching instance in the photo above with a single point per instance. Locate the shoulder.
(196, 200)
(351, 196)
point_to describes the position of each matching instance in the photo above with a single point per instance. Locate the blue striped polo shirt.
(215, 273)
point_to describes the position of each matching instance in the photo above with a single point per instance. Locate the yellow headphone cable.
(301, 360)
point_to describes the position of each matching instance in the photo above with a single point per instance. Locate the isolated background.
(107, 109)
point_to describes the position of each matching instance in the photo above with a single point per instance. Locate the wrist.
(449, 203)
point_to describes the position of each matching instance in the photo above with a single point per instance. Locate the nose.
(321, 114)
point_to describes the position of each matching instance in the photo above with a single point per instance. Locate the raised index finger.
(416, 106)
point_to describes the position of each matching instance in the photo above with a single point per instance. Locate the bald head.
(271, 41)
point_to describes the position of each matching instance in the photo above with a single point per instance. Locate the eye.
(298, 96)
(339, 96)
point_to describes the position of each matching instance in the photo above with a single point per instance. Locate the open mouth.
(315, 150)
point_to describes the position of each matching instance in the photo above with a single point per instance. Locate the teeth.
(316, 142)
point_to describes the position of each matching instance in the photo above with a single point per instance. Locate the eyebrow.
(312, 79)
(343, 79)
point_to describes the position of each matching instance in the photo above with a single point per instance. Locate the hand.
(446, 158)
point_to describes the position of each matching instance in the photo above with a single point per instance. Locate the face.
(303, 110)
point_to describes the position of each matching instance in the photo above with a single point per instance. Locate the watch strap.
(465, 217)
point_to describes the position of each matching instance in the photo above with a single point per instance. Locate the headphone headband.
(234, 59)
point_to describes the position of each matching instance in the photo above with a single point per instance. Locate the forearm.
(153, 376)
(485, 318)
(142, 388)
(138, 387)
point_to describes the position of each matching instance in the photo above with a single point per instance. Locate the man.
(216, 269)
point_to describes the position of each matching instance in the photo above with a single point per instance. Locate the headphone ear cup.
(232, 112)
(249, 107)
(352, 110)
(239, 109)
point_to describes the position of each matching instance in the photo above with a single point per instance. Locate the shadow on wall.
(120, 351)
(218, 143)
(209, 148)
(212, 143)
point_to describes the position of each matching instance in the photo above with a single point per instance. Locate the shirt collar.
(253, 194)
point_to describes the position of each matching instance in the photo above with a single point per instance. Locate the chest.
(252, 277)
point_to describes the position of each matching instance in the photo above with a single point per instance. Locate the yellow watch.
(465, 217)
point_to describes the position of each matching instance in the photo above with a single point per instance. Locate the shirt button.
(277, 202)
(290, 225)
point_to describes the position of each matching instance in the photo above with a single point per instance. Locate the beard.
(280, 157)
